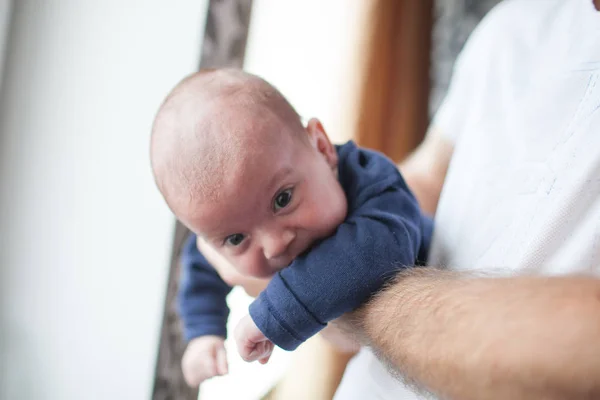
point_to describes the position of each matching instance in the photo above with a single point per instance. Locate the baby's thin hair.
(198, 105)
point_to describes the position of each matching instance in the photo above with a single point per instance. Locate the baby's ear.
(320, 141)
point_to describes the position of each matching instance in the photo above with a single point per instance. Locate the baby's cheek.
(336, 209)
(233, 277)
(253, 286)
(253, 264)
(227, 272)
(326, 218)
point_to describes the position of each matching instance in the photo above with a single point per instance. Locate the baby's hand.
(251, 343)
(204, 358)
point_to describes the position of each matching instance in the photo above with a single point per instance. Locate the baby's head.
(237, 166)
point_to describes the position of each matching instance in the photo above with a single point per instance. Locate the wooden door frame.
(392, 109)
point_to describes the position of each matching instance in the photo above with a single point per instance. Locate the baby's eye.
(282, 199)
(234, 240)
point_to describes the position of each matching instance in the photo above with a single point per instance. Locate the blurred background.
(88, 249)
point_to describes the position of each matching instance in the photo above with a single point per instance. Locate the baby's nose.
(276, 245)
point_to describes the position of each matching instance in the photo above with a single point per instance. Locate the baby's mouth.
(297, 254)
(293, 259)
(284, 265)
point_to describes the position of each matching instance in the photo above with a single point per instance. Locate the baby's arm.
(343, 271)
(203, 310)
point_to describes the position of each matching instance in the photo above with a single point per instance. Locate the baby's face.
(276, 208)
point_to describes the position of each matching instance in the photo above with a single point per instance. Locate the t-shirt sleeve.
(468, 86)
(202, 297)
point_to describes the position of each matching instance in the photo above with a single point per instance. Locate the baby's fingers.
(262, 352)
(209, 367)
(221, 364)
(197, 373)
(265, 360)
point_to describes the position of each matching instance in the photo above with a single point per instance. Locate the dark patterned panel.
(226, 33)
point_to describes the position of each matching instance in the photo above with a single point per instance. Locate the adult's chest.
(523, 188)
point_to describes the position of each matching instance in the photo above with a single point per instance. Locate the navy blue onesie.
(384, 231)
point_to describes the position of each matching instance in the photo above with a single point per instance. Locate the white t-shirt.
(522, 193)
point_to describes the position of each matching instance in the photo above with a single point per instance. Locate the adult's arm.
(425, 169)
(466, 337)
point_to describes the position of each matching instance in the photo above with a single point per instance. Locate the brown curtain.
(392, 109)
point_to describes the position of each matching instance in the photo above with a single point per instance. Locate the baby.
(328, 225)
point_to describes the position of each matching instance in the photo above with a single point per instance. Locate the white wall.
(84, 236)
(310, 50)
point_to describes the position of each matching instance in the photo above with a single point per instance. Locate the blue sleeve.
(341, 272)
(202, 295)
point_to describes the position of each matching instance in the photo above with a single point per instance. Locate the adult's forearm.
(425, 170)
(465, 337)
